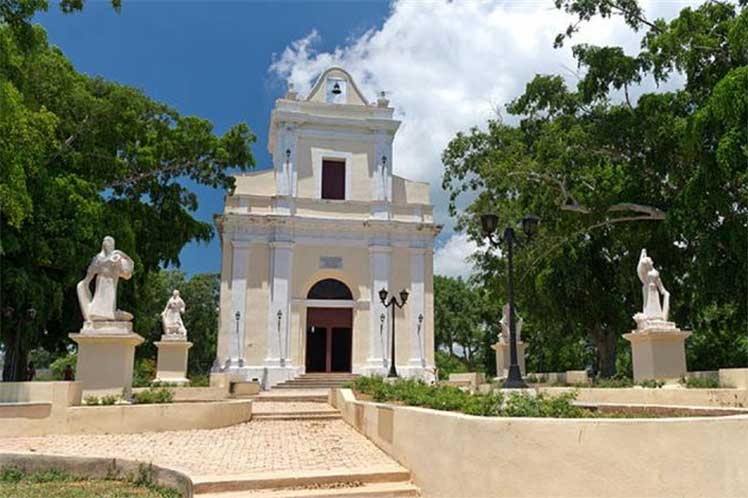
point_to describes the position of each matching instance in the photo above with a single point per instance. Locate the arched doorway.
(329, 330)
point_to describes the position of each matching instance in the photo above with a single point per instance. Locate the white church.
(308, 245)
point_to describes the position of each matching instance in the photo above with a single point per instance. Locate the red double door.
(329, 339)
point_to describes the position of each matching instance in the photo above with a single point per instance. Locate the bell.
(336, 89)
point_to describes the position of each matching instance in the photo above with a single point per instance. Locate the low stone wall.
(125, 419)
(733, 377)
(60, 393)
(732, 398)
(99, 468)
(452, 454)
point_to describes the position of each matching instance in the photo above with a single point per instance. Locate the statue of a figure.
(505, 325)
(652, 289)
(172, 316)
(108, 267)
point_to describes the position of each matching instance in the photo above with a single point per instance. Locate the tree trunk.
(606, 343)
(14, 369)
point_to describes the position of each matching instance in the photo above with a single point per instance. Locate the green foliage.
(609, 175)
(466, 318)
(616, 381)
(81, 158)
(144, 372)
(109, 399)
(701, 382)
(200, 380)
(543, 405)
(448, 398)
(447, 364)
(53, 483)
(153, 395)
(652, 383)
(91, 400)
(58, 366)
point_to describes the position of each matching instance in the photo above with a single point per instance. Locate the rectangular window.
(333, 179)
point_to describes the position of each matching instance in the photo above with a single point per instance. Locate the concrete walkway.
(261, 454)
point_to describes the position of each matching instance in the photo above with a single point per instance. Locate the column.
(278, 330)
(240, 264)
(417, 305)
(379, 264)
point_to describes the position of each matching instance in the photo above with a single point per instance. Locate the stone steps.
(326, 415)
(293, 484)
(400, 489)
(317, 381)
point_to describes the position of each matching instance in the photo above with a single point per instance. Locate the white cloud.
(447, 66)
(451, 258)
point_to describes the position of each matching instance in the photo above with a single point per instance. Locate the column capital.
(282, 244)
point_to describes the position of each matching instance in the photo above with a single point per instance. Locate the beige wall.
(451, 454)
(126, 419)
(258, 303)
(361, 165)
(658, 396)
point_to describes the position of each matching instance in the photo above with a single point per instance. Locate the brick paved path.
(267, 446)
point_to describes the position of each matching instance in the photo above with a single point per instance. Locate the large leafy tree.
(81, 158)
(610, 175)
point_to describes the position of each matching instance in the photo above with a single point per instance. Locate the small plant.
(652, 383)
(200, 380)
(109, 399)
(701, 383)
(91, 400)
(11, 474)
(153, 395)
(532, 379)
(613, 382)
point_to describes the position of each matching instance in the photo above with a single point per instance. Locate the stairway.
(317, 381)
(367, 484)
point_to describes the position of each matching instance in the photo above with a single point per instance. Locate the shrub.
(447, 364)
(617, 381)
(58, 366)
(109, 399)
(652, 383)
(144, 372)
(91, 400)
(153, 395)
(701, 383)
(201, 380)
(448, 398)
(532, 379)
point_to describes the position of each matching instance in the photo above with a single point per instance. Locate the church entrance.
(329, 330)
(328, 339)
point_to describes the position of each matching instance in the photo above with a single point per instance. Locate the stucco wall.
(361, 166)
(660, 396)
(452, 454)
(125, 419)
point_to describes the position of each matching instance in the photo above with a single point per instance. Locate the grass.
(15, 483)
(701, 383)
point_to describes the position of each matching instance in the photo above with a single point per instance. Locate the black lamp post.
(489, 223)
(392, 303)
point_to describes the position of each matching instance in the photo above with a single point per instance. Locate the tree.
(459, 319)
(83, 158)
(609, 175)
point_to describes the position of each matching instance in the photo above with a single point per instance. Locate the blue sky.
(209, 59)
(447, 66)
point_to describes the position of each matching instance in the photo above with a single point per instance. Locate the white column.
(278, 337)
(240, 263)
(379, 263)
(417, 304)
(284, 160)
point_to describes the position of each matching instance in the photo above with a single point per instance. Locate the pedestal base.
(503, 359)
(658, 354)
(105, 361)
(171, 365)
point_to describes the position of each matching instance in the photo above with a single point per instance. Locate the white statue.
(653, 311)
(505, 325)
(108, 267)
(172, 316)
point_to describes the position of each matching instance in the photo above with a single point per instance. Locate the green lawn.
(51, 484)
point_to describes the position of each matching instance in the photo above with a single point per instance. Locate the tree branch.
(167, 168)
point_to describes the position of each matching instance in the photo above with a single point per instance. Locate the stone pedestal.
(503, 359)
(658, 353)
(105, 356)
(171, 365)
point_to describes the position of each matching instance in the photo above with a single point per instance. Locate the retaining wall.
(452, 454)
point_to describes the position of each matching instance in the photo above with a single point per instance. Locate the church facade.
(308, 245)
